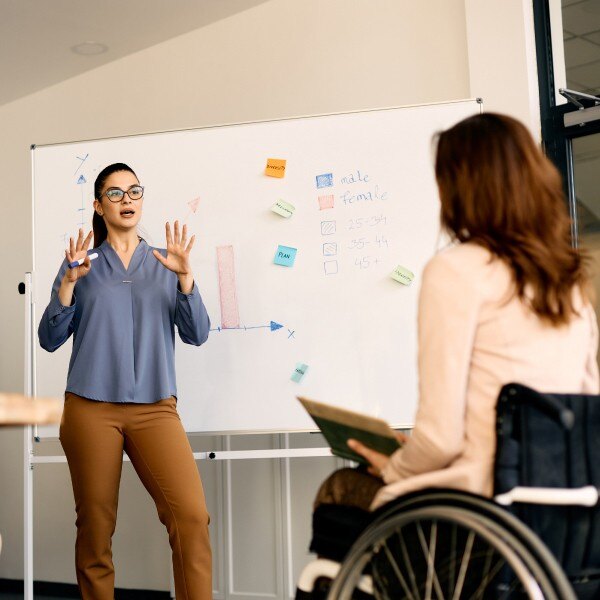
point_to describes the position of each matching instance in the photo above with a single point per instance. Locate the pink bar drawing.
(230, 314)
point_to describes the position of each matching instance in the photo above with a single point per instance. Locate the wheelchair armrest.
(583, 496)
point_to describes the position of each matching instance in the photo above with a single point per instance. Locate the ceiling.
(581, 31)
(36, 36)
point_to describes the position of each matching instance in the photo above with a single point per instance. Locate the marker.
(77, 263)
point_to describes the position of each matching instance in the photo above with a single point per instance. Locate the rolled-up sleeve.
(56, 324)
(191, 318)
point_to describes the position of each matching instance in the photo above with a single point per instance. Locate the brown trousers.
(94, 435)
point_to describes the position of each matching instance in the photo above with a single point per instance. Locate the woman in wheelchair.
(507, 301)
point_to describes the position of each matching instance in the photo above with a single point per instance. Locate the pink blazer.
(474, 338)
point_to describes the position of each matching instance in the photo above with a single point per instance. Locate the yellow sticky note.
(275, 167)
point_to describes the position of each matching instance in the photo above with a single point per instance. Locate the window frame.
(557, 140)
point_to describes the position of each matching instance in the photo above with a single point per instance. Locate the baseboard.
(69, 590)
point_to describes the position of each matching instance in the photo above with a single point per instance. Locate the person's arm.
(449, 306)
(591, 378)
(56, 324)
(191, 318)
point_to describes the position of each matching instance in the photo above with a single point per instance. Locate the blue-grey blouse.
(122, 321)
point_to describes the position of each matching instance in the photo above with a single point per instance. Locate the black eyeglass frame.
(123, 192)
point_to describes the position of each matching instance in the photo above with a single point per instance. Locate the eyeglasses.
(135, 192)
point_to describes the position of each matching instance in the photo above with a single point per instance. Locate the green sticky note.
(283, 208)
(402, 275)
(299, 372)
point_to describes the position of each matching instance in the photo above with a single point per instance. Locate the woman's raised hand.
(178, 251)
(76, 251)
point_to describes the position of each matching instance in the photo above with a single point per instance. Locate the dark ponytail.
(99, 227)
(98, 224)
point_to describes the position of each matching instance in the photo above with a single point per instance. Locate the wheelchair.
(539, 538)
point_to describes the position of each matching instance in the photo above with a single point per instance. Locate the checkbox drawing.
(326, 202)
(330, 249)
(331, 267)
(327, 227)
(324, 180)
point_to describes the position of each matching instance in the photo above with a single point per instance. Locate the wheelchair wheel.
(487, 508)
(445, 552)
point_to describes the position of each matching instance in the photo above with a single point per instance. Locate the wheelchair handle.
(583, 496)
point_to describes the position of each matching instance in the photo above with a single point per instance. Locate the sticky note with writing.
(275, 167)
(283, 208)
(402, 275)
(285, 256)
(299, 372)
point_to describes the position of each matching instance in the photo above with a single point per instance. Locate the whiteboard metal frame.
(260, 121)
(31, 432)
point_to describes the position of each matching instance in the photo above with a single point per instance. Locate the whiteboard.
(365, 200)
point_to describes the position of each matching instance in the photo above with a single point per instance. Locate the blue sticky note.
(285, 256)
(299, 372)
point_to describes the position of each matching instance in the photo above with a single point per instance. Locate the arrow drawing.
(273, 326)
(81, 164)
(80, 182)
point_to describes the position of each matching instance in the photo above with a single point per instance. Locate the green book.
(338, 425)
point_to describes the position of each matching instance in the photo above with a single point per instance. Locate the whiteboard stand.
(28, 447)
(306, 141)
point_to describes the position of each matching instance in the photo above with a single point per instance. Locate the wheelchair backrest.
(552, 440)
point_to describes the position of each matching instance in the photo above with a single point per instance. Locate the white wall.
(281, 58)
(502, 59)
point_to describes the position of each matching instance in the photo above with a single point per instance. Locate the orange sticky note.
(275, 167)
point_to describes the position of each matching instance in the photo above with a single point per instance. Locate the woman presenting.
(121, 393)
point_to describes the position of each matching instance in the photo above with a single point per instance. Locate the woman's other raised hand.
(178, 256)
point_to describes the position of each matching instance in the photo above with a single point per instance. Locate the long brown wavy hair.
(497, 189)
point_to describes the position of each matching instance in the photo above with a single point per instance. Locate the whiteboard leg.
(28, 449)
(229, 585)
(28, 515)
(287, 520)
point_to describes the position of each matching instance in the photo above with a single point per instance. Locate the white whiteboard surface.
(341, 313)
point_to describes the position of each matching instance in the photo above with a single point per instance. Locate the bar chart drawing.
(230, 313)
